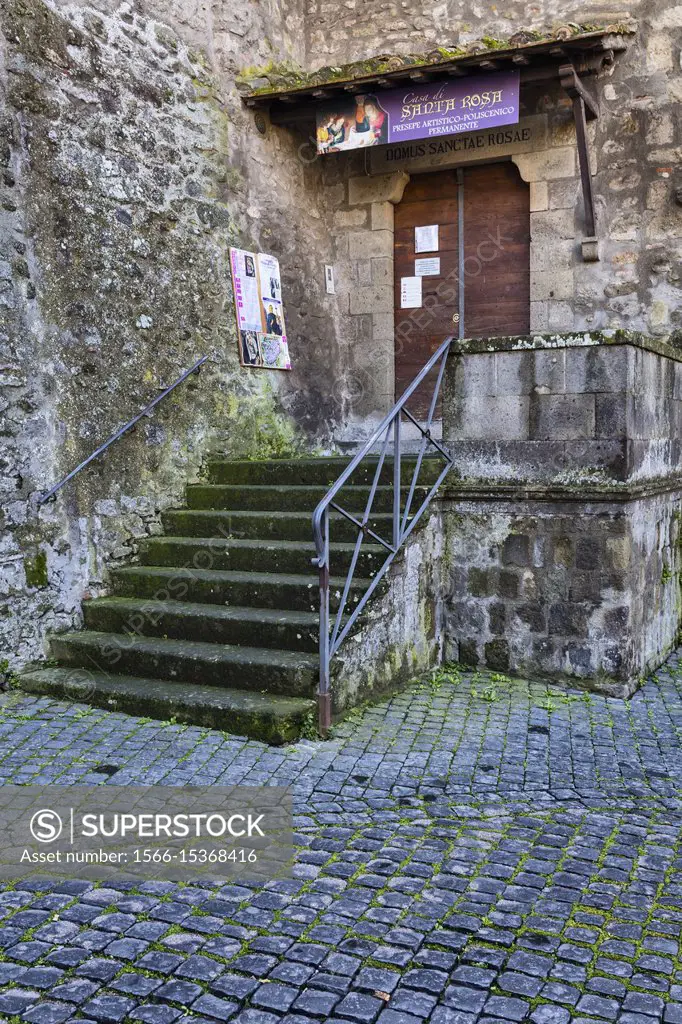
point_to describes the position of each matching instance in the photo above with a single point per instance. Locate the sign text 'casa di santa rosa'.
(418, 112)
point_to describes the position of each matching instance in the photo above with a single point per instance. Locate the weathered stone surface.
(130, 166)
(582, 512)
(382, 188)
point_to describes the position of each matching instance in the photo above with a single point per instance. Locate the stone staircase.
(218, 624)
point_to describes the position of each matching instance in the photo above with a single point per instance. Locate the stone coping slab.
(569, 339)
(580, 490)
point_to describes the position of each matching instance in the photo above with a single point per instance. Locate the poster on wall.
(418, 111)
(427, 267)
(260, 313)
(410, 292)
(426, 238)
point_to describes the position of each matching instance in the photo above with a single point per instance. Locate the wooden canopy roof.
(588, 52)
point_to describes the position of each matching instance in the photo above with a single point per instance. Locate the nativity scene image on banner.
(419, 112)
(353, 122)
(260, 313)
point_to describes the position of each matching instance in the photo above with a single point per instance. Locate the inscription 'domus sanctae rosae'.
(459, 144)
(529, 135)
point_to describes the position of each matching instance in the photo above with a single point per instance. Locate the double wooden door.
(493, 272)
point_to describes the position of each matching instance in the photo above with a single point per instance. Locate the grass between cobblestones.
(475, 849)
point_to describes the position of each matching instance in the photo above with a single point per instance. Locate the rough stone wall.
(129, 167)
(363, 240)
(563, 524)
(635, 149)
(403, 628)
(586, 590)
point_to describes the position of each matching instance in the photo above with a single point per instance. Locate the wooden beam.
(304, 113)
(584, 160)
(573, 86)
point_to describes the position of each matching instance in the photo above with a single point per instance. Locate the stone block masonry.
(563, 538)
(580, 591)
(128, 169)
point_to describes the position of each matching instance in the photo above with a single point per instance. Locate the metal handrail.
(402, 524)
(119, 433)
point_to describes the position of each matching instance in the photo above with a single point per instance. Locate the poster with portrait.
(260, 313)
(268, 269)
(250, 349)
(275, 352)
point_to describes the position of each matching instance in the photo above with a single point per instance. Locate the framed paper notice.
(426, 238)
(260, 313)
(430, 267)
(410, 292)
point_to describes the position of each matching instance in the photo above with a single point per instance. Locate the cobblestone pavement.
(473, 850)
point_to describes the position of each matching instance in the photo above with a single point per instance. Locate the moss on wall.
(285, 76)
(35, 568)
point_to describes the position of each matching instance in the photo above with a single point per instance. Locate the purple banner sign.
(418, 112)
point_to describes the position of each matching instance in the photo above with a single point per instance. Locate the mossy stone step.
(290, 673)
(287, 556)
(227, 587)
(181, 620)
(259, 716)
(177, 639)
(271, 497)
(267, 526)
(321, 471)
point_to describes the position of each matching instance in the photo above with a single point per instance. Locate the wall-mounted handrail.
(123, 430)
(403, 521)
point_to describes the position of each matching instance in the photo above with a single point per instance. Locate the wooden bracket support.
(585, 108)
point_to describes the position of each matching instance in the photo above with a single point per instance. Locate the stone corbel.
(585, 108)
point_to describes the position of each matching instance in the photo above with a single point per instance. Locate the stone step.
(266, 526)
(322, 472)
(287, 556)
(225, 587)
(259, 716)
(271, 497)
(182, 620)
(290, 673)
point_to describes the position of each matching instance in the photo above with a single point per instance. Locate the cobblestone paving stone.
(473, 850)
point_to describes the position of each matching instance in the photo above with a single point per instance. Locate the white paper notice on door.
(426, 238)
(430, 267)
(410, 292)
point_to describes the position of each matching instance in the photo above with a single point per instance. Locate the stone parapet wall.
(563, 515)
(572, 409)
(568, 590)
(402, 632)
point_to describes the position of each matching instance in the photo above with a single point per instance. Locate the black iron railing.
(119, 433)
(403, 519)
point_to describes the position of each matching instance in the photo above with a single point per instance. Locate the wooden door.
(496, 253)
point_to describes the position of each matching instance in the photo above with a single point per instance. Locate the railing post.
(324, 693)
(329, 641)
(396, 481)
